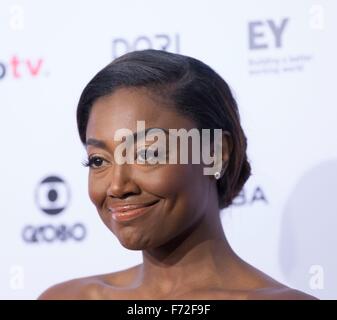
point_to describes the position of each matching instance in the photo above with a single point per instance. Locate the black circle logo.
(52, 195)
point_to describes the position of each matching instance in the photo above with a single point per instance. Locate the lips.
(130, 211)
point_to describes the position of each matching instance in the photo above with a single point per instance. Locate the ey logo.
(266, 34)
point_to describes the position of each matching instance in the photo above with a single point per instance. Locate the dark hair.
(194, 89)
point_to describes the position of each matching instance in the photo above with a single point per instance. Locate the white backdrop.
(279, 57)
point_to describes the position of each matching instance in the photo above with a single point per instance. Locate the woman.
(170, 211)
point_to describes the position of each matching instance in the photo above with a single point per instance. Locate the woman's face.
(179, 193)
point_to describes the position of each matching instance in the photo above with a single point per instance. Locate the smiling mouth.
(130, 212)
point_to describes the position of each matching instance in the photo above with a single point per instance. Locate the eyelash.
(89, 161)
(85, 163)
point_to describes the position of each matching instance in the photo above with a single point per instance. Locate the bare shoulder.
(260, 286)
(279, 293)
(89, 288)
(81, 288)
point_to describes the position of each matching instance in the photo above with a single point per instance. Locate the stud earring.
(217, 175)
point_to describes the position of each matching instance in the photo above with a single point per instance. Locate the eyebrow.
(102, 145)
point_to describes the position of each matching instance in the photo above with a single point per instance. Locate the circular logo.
(52, 195)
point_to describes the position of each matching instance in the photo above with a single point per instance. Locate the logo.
(269, 49)
(17, 68)
(250, 197)
(165, 148)
(259, 30)
(161, 41)
(52, 197)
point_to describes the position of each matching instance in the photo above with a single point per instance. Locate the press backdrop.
(279, 58)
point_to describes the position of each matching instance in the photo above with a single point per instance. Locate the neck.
(198, 258)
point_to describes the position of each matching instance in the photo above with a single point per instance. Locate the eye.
(94, 162)
(146, 155)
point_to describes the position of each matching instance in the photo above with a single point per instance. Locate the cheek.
(183, 183)
(184, 189)
(171, 180)
(191, 191)
(185, 193)
(96, 190)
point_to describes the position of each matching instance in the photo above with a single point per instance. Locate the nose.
(121, 184)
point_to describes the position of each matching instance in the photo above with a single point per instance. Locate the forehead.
(125, 107)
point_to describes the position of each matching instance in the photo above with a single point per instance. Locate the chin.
(132, 246)
(133, 241)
